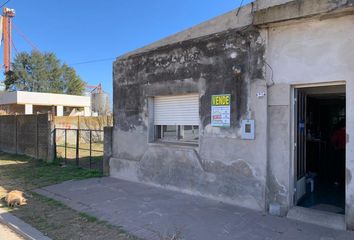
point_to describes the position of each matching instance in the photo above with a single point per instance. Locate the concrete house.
(248, 108)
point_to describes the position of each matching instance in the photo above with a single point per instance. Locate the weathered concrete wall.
(300, 9)
(303, 53)
(279, 161)
(223, 166)
(27, 134)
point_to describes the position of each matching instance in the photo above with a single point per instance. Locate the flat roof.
(44, 99)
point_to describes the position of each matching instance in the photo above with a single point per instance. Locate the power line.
(14, 46)
(36, 48)
(93, 61)
(25, 38)
(238, 10)
(5, 3)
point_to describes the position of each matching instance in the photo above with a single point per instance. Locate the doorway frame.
(293, 174)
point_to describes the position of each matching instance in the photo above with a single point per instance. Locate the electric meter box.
(247, 127)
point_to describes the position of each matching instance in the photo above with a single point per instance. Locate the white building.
(21, 102)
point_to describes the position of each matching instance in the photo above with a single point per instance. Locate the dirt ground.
(51, 217)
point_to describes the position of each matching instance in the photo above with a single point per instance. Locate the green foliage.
(43, 72)
(10, 79)
(34, 173)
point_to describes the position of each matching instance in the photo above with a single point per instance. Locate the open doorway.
(320, 148)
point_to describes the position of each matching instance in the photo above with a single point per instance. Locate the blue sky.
(84, 30)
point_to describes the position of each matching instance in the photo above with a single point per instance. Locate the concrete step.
(317, 217)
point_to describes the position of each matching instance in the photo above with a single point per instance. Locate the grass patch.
(47, 215)
(88, 217)
(38, 173)
(47, 200)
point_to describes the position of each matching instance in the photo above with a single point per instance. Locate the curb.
(20, 227)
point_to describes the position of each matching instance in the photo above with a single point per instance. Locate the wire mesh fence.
(80, 147)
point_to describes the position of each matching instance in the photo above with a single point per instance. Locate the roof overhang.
(302, 10)
(44, 99)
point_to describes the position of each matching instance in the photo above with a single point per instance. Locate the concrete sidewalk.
(146, 211)
(19, 227)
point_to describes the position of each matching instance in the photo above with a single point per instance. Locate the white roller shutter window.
(176, 110)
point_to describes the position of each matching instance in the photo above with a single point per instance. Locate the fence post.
(90, 148)
(37, 137)
(55, 142)
(107, 149)
(77, 146)
(65, 143)
(16, 134)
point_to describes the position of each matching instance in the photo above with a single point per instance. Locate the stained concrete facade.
(231, 62)
(270, 47)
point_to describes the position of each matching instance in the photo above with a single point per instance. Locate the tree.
(72, 82)
(43, 72)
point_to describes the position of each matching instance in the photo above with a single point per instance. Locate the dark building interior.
(325, 151)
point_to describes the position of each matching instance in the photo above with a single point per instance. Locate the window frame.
(153, 127)
(179, 132)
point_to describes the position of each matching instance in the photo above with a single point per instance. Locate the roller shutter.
(176, 110)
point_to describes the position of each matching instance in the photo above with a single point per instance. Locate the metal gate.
(80, 147)
(300, 144)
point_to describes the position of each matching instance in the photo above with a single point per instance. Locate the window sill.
(174, 144)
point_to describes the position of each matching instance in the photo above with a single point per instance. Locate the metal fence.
(80, 147)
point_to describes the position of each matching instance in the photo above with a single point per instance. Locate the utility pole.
(7, 15)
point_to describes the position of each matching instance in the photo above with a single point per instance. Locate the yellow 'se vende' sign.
(220, 100)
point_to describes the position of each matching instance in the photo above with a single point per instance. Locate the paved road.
(7, 234)
(146, 211)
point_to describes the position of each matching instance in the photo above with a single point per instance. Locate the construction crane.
(94, 89)
(7, 15)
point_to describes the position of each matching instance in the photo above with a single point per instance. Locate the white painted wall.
(317, 52)
(60, 111)
(44, 99)
(28, 109)
(87, 111)
(51, 99)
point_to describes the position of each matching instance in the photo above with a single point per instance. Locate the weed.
(88, 217)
